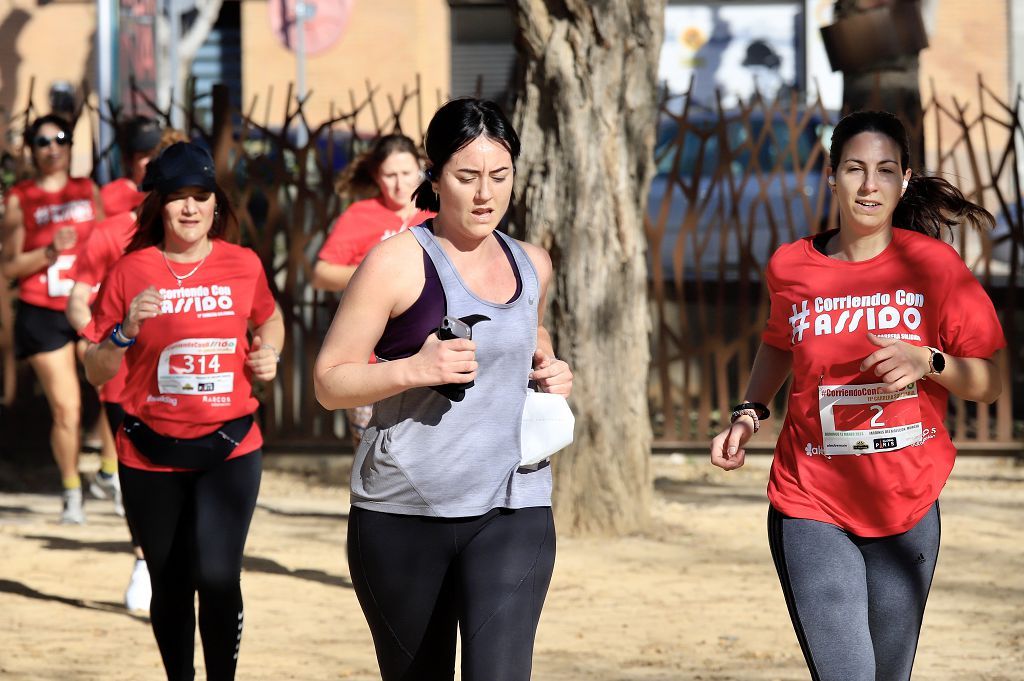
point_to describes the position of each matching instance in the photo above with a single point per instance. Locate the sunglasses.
(42, 141)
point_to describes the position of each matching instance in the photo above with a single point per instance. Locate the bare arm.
(17, 263)
(386, 283)
(552, 375)
(330, 277)
(900, 364)
(267, 343)
(13, 216)
(77, 311)
(102, 360)
(771, 368)
(971, 378)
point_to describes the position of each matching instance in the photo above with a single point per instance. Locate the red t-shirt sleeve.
(262, 298)
(778, 331)
(969, 325)
(339, 249)
(108, 309)
(88, 263)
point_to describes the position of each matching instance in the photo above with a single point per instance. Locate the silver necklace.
(183, 277)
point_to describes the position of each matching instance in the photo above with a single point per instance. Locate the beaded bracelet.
(747, 412)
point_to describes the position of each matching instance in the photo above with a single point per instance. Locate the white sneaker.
(73, 513)
(108, 487)
(139, 591)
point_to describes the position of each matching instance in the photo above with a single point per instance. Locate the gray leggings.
(856, 602)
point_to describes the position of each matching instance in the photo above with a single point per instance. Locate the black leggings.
(115, 417)
(192, 528)
(418, 578)
(856, 603)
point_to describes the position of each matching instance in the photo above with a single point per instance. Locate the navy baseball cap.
(180, 165)
(144, 139)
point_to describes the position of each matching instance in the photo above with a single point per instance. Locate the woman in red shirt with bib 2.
(177, 309)
(878, 322)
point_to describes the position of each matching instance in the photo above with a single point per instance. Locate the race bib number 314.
(863, 419)
(194, 367)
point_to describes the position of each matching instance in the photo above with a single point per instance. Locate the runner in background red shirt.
(104, 247)
(177, 310)
(47, 219)
(138, 138)
(878, 325)
(389, 171)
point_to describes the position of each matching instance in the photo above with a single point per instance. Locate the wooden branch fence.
(732, 185)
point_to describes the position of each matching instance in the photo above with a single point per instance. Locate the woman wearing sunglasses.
(46, 222)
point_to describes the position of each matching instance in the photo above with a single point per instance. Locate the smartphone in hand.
(452, 327)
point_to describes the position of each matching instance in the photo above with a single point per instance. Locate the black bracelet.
(758, 408)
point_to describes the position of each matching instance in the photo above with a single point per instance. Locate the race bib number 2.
(193, 367)
(863, 419)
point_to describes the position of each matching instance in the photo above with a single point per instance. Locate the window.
(483, 50)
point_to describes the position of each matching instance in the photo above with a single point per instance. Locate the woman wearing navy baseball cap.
(178, 309)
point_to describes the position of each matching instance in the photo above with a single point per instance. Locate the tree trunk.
(188, 45)
(892, 86)
(587, 111)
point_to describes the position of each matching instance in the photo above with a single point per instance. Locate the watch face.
(938, 362)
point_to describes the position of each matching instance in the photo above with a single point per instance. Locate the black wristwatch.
(758, 408)
(936, 362)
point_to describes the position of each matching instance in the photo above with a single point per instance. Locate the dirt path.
(694, 598)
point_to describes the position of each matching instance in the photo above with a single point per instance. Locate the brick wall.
(969, 37)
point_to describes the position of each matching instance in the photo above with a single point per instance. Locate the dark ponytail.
(933, 206)
(455, 125)
(426, 198)
(930, 205)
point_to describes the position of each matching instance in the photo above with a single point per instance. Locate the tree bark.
(188, 45)
(892, 86)
(586, 112)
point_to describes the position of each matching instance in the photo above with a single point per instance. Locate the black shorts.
(40, 329)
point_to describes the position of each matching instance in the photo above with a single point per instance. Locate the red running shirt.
(120, 196)
(917, 290)
(44, 213)
(105, 245)
(186, 371)
(364, 225)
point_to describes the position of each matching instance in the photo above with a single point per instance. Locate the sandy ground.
(694, 598)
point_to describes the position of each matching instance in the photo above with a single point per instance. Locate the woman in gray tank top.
(446, 531)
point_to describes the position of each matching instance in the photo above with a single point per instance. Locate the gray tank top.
(425, 455)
